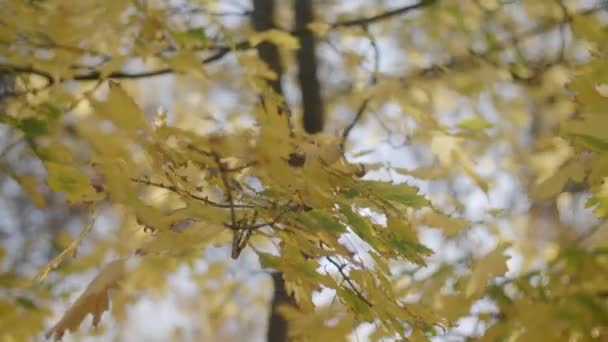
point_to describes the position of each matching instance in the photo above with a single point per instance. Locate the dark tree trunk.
(277, 327)
(7, 86)
(263, 12)
(312, 103)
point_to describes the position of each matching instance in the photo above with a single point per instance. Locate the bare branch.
(182, 192)
(384, 15)
(223, 51)
(349, 281)
(352, 124)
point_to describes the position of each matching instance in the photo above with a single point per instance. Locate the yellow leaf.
(187, 62)
(190, 241)
(325, 324)
(589, 130)
(485, 269)
(319, 28)
(447, 149)
(474, 124)
(554, 184)
(550, 160)
(324, 147)
(277, 37)
(602, 89)
(449, 225)
(254, 66)
(425, 172)
(443, 146)
(418, 336)
(29, 184)
(585, 85)
(590, 29)
(95, 300)
(120, 108)
(68, 179)
(451, 306)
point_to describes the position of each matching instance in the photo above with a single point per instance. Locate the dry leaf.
(95, 300)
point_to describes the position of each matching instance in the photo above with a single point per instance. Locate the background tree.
(413, 170)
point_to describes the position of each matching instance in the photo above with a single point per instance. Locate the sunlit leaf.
(120, 108)
(474, 124)
(278, 37)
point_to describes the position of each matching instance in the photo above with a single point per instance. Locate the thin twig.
(178, 191)
(224, 177)
(351, 125)
(348, 280)
(384, 15)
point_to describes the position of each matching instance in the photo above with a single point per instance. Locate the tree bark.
(7, 85)
(277, 325)
(263, 13)
(312, 103)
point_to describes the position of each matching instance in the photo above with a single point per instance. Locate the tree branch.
(219, 54)
(471, 60)
(261, 22)
(182, 192)
(382, 16)
(352, 124)
(349, 281)
(223, 51)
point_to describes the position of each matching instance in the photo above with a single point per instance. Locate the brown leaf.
(95, 300)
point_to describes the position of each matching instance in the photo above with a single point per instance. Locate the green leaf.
(26, 303)
(34, 127)
(269, 261)
(54, 152)
(353, 300)
(195, 36)
(400, 236)
(589, 142)
(398, 193)
(51, 110)
(474, 124)
(359, 225)
(318, 220)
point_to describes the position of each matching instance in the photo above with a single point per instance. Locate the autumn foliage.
(415, 171)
